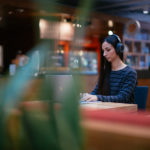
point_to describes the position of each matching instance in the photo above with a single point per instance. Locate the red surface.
(139, 118)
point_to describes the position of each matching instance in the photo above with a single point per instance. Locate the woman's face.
(109, 52)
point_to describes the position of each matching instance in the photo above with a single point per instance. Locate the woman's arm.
(95, 91)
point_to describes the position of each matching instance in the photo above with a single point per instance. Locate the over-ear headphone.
(119, 46)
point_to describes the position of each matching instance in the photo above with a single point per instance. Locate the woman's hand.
(89, 98)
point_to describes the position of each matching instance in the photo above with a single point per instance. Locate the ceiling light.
(10, 12)
(145, 12)
(110, 32)
(110, 23)
(20, 10)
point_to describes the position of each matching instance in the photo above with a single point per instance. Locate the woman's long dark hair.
(105, 68)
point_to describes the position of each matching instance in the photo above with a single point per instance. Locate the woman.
(117, 81)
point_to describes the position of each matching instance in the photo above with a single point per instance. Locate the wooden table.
(110, 105)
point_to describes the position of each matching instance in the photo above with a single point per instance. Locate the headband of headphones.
(119, 46)
(117, 37)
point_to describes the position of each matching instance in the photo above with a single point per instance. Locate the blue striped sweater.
(122, 86)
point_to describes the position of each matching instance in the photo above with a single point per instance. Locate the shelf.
(138, 55)
(140, 68)
(135, 40)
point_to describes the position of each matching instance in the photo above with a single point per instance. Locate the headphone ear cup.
(119, 48)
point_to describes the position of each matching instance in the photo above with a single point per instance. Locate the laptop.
(61, 87)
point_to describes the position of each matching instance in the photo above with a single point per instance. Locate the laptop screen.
(60, 86)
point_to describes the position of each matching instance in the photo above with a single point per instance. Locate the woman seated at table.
(117, 81)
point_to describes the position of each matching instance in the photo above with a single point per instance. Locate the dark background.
(17, 34)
